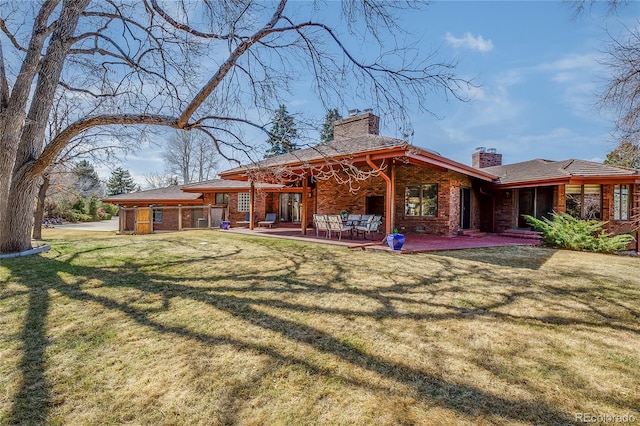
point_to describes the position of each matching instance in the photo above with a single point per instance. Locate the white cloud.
(469, 41)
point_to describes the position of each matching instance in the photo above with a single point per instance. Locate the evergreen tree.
(284, 133)
(121, 182)
(627, 154)
(87, 180)
(332, 116)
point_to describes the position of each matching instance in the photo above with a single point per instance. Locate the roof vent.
(353, 112)
(366, 110)
(492, 150)
(481, 149)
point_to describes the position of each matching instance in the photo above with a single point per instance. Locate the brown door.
(526, 206)
(143, 221)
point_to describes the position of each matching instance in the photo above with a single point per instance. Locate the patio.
(415, 242)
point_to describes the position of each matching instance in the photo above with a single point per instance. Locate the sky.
(537, 71)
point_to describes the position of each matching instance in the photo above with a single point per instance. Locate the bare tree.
(622, 93)
(189, 156)
(97, 144)
(218, 67)
(157, 180)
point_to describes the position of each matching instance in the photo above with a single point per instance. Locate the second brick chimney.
(357, 124)
(483, 157)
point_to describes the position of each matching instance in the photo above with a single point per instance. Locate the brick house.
(200, 205)
(416, 189)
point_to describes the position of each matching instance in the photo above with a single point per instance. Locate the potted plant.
(395, 240)
(225, 224)
(344, 214)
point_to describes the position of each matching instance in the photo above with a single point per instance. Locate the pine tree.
(331, 117)
(284, 133)
(87, 182)
(121, 182)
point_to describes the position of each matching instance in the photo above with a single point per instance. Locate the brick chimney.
(356, 124)
(483, 157)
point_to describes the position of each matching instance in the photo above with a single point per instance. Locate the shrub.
(566, 231)
(74, 215)
(79, 205)
(111, 209)
(92, 206)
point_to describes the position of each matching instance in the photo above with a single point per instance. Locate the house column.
(388, 205)
(122, 219)
(305, 202)
(252, 197)
(209, 216)
(179, 217)
(392, 195)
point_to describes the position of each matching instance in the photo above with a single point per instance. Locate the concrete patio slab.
(414, 243)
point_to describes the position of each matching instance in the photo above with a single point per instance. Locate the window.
(584, 201)
(222, 198)
(621, 202)
(157, 214)
(243, 202)
(421, 200)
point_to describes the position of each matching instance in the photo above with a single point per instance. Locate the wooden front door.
(143, 221)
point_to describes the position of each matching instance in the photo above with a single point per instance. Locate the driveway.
(101, 225)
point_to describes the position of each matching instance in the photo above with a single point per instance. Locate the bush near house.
(568, 232)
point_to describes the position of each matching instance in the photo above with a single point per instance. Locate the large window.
(243, 201)
(421, 200)
(621, 202)
(584, 201)
(222, 198)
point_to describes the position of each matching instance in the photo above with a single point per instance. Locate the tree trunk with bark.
(38, 216)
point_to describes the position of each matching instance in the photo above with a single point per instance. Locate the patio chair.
(353, 220)
(336, 225)
(269, 220)
(368, 226)
(321, 224)
(246, 221)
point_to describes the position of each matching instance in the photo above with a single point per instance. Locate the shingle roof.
(169, 193)
(536, 170)
(330, 149)
(222, 184)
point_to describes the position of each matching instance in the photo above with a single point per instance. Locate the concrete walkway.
(101, 225)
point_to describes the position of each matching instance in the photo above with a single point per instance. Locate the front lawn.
(210, 328)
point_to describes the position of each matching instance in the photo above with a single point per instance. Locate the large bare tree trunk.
(16, 216)
(38, 216)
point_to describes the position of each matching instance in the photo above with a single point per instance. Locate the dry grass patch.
(212, 328)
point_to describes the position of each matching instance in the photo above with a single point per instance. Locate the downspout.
(388, 205)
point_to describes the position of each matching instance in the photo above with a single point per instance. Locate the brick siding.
(363, 124)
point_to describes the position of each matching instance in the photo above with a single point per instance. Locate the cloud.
(469, 41)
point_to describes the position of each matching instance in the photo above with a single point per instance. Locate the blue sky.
(537, 71)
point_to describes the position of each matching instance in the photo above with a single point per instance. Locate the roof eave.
(569, 180)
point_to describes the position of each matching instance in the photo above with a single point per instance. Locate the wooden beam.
(305, 202)
(388, 205)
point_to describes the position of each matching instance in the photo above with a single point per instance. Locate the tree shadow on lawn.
(32, 402)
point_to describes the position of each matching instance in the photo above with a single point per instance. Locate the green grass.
(214, 328)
